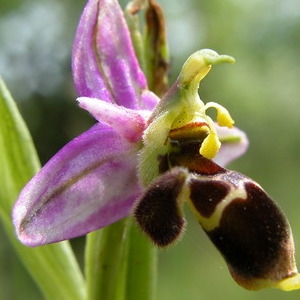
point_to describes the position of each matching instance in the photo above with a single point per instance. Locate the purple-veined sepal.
(103, 60)
(88, 184)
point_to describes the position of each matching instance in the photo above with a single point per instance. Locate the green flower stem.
(105, 261)
(141, 267)
(120, 264)
(53, 267)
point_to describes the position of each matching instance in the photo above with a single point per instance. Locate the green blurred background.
(261, 91)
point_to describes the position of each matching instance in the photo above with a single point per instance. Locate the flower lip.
(228, 205)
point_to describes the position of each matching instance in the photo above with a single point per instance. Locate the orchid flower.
(146, 156)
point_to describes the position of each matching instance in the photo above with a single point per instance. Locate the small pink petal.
(236, 146)
(129, 123)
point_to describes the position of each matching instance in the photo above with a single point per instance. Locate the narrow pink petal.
(149, 100)
(104, 61)
(89, 184)
(235, 145)
(129, 123)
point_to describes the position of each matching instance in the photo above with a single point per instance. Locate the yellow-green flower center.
(182, 111)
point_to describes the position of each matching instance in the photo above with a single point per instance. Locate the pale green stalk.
(141, 267)
(120, 264)
(105, 261)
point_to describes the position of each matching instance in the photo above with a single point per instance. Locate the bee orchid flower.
(146, 156)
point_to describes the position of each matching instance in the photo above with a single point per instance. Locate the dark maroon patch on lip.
(158, 212)
(163, 163)
(253, 236)
(206, 194)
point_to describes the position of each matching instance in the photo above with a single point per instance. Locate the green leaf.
(53, 267)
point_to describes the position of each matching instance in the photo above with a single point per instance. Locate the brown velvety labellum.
(206, 195)
(254, 238)
(158, 212)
